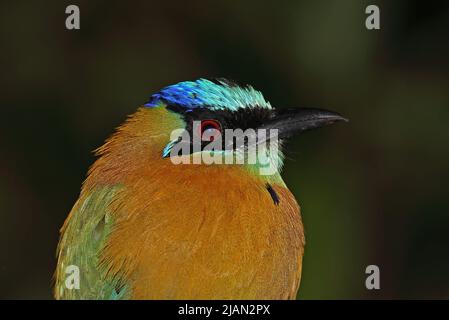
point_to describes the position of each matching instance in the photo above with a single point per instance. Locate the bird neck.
(135, 149)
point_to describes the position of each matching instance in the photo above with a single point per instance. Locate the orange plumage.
(146, 228)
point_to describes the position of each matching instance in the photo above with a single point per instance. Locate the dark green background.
(373, 191)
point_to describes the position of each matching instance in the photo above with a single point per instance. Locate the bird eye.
(210, 129)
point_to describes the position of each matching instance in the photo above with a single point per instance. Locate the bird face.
(224, 119)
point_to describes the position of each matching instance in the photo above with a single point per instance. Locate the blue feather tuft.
(202, 93)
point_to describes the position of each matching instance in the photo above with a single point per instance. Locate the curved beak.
(294, 121)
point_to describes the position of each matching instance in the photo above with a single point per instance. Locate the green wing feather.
(82, 239)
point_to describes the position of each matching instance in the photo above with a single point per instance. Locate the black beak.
(293, 121)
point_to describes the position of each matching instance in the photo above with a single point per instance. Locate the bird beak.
(294, 121)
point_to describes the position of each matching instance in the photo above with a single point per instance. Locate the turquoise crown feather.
(219, 94)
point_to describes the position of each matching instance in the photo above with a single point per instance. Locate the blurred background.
(373, 191)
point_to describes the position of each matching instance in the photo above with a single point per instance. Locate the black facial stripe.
(245, 118)
(250, 117)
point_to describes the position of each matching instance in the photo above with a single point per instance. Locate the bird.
(145, 227)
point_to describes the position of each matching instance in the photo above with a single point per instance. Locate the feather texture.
(145, 228)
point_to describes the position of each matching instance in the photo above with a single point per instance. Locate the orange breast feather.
(194, 231)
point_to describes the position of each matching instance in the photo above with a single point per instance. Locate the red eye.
(212, 125)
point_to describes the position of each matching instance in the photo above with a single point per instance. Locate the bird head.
(210, 109)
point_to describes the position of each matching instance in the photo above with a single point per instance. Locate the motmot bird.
(144, 227)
